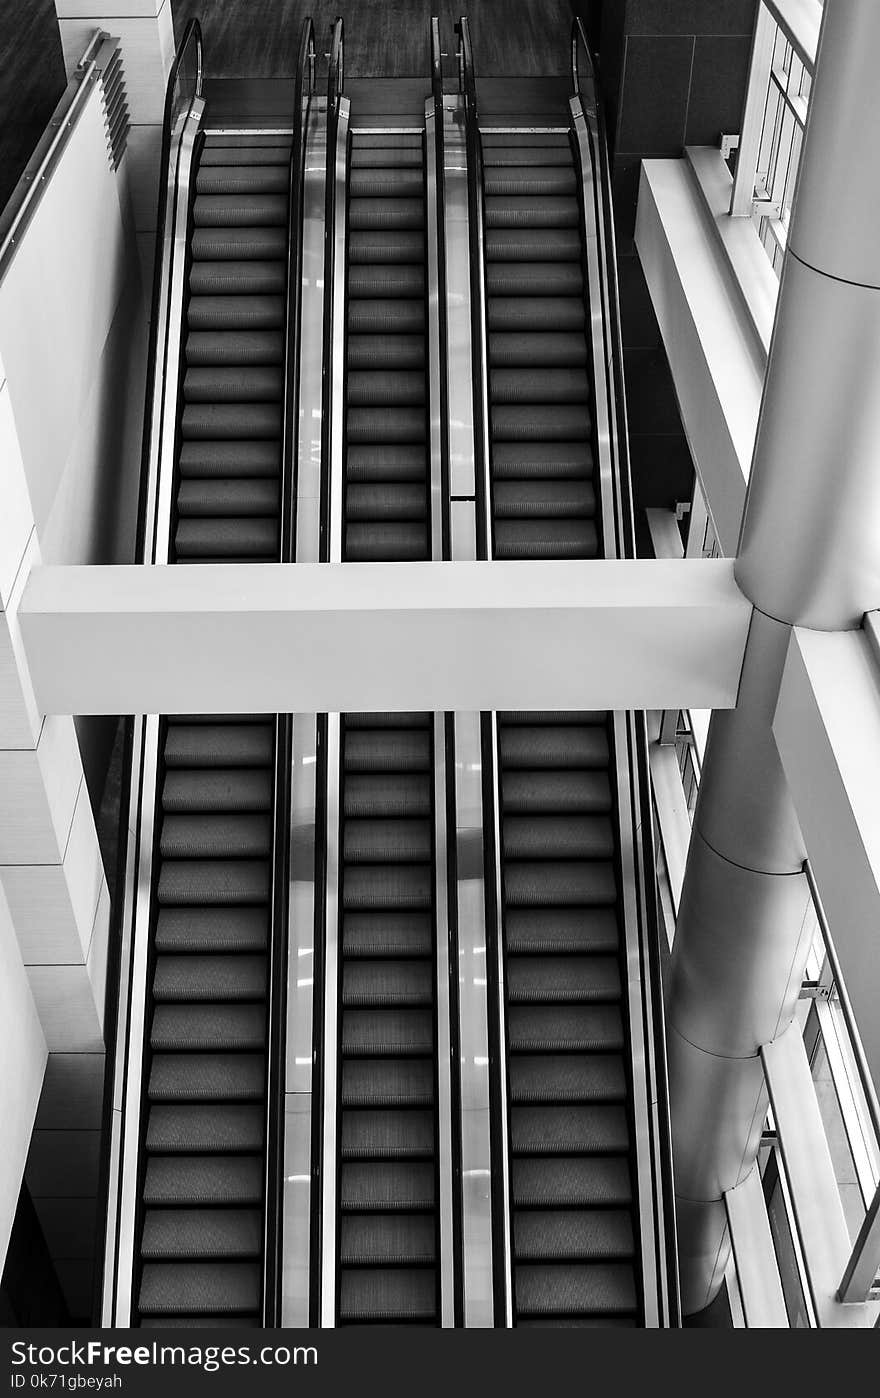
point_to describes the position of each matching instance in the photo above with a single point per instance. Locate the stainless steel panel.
(460, 386)
(311, 366)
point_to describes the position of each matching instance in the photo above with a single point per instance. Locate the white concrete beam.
(374, 637)
(827, 728)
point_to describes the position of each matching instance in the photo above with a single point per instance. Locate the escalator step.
(384, 839)
(231, 835)
(266, 246)
(543, 350)
(203, 1180)
(547, 1078)
(199, 1288)
(563, 980)
(391, 352)
(386, 934)
(376, 182)
(227, 499)
(195, 1027)
(565, 1029)
(236, 313)
(386, 542)
(199, 460)
(387, 1240)
(532, 181)
(215, 539)
(396, 887)
(386, 279)
(525, 461)
(195, 1129)
(387, 984)
(534, 421)
(368, 246)
(386, 388)
(532, 503)
(230, 789)
(387, 1134)
(399, 794)
(194, 1233)
(242, 383)
(241, 179)
(220, 978)
(239, 347)
(495, 155)
(207, 1077)
(566, 883)
(387, 1185)
(383, 157)
(369, 317)
(568, 1236)
(213, 882)
(397, 425)
(549, 931)
(216, 152)
(381, 1082)
(245, 421)
(242, 211)
(401, 1032)
(552, 211)
(525, 746)
(597, 1129)
(387, 1295)
(537, 384)
(212, 929)
(573, 1288)
(545, 793)
(581, 1182)
(374, 214)
(381, 722)
(538, 836)
(400, 750)
(219, 745)
(535, 245)
(543, 313)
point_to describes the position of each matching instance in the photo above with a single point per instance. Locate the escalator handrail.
(280, 901)
(586, 89)
(335, 79)
(439, 488)
(476, 229)
(336, 71)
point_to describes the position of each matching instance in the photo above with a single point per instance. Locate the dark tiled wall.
(673, 74)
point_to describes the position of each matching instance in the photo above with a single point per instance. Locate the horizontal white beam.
(401, 636)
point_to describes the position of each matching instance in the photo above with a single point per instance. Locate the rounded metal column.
(808, 556)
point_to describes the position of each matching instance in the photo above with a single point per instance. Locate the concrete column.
(808, 556)
(145, 30)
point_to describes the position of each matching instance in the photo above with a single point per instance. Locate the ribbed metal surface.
(201, 1245)
(116, 114)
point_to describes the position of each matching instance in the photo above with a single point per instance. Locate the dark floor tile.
(650, 391)
(638, 320)
(718, 89)
(625, 175)
(690, 16)
(662, 469)
(655, 85)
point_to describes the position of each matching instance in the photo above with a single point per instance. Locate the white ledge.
(398, 636)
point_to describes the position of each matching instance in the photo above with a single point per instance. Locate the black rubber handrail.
(586, 88)
(277, 1033)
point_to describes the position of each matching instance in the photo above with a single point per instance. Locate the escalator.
(387, 1110)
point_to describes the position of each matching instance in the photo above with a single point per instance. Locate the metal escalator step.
(239, 179)
(364, 139)
(212, 929)
(376, 214)
(393, 887)
(370, 246)
(223, 835)
(565, 1029)
(246, 421)
(387, 1240)
(563, 980)
(397, 424)
(539, 385)
(529, 181)
(388, 750)
(204, 1180)
(380, 722)
(196, 1027)
(387, 1295)
(596, 1129)
(193, 1233)
(566, 1077)
(213, 882)
(566, 719)
(582, 1235)
(200, 1288)
(575, 1287)
(528, 211)
(387, 1082)
(387, 984)
(228, 277)
(550, 931)
(542, 349)
(236, 313)
(548, 884)
(572, 1322)
(389, 541)
(389, 1033)
(517, 154)
(213, 460)
(533, 461)
(390, 352)
(240, 210)
(387, 1134)
(534, 245)
(537, 836)
(383, 156)
(218, 152)
(387, 1185)
(386, 388)
(396, 794)
(386, 279)
(207, 1077)
(549, 793)
(381, 317)
(265, 245)
(209, 977)
(384, 182)
(385, 839)
(219, 744)
(207, 1322)
(386, 934)
(241, 383)
(205, 1129)
(213, 540)
(516, 314)
(577, 1182)
(543, 500)
(545, 746)
(537, 422)
(229, 789)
